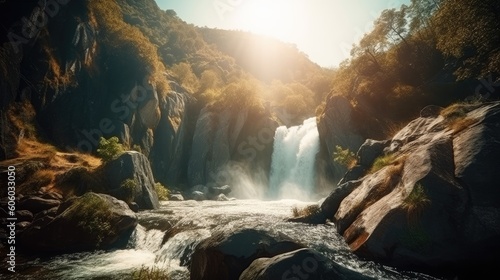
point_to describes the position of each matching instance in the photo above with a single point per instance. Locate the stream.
(186, 223)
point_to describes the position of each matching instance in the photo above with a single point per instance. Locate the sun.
(273, 18)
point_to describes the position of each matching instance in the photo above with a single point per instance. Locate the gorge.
(143, 145)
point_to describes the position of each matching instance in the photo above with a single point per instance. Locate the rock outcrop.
(336, 127)
(223, 137)
(225, 255)
(434, 203)
(135, 166)
(92, 221)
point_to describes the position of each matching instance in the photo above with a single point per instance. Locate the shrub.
(109, 148)
(344, 157)
(417, 198)
(162, 191)
(382, 161)
(414, 204)
(128, 188)
(92, 214)
(150, 273)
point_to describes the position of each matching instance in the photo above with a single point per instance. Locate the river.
(186, 223)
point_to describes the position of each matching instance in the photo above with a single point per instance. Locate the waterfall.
(293, 161)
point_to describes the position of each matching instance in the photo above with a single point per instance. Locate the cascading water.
(293, 161)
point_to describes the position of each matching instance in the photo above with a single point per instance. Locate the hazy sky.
(323, 29)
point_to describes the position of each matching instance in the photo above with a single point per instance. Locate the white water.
(194, 222)
(293, 161)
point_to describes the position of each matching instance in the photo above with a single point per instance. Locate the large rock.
(299, 264)
(92, 221)
(436, 204)
(173, 137)
(224, 137)
(336, 127)
(226, 254)
(133, 165)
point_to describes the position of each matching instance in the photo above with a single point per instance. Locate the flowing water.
(165, 238)
(293, 161)
(186, 223)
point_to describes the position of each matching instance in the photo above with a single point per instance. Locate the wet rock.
(226, 254)
(175, 197)
(222, 197)
(92, 221)
(198, 196)
(215, 191)
(299, 264)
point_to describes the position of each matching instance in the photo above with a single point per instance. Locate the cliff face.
(430, 200)
(99, 68)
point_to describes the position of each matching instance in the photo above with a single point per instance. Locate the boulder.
(92, 221)
(175, 197)
(198, 196)
(133, 165)
(226, 254)
(215, 191)
(222, 197)
(435, 205)
(173, 136)
(300, 264)
(336, 128)
(370, 150)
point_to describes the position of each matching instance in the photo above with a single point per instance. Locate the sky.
(323, 29)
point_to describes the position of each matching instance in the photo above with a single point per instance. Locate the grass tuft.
(161, 191)
(150, 273)
(305, 211)
(382, 161)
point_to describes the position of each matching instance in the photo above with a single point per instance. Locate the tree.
(469, 31)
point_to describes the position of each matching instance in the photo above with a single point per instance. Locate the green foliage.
(381, 162)
(161, 191)
(150, 273)
(128, 189)
(344, 157)
(92, 214)
(110, 148)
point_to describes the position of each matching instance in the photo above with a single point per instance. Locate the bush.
(128, 188)
(92, 215)
(109, 148)
(344, 157)
(417, 198)
(162, 191)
